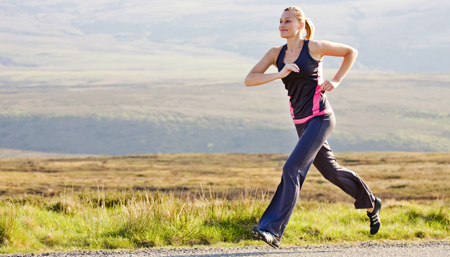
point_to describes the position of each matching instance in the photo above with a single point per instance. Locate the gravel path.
(434, 249)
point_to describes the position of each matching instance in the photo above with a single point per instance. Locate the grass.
(173, 200)
(7, 224)
(132, 220)
(123, 220)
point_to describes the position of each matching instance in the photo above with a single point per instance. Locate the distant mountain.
(401, 36)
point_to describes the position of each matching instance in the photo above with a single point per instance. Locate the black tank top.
(305, 98)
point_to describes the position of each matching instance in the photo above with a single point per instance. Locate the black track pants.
(312, 147)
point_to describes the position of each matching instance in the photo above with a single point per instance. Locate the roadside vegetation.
(173, 200)
(132, 220)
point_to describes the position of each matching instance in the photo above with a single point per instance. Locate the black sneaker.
(374, 216)
(267, 237)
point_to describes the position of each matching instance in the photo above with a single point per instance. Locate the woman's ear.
(302, 25)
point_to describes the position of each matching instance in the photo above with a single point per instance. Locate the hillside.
(375, 112)
(113, 77)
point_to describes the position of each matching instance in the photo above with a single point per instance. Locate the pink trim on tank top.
(292, 109)
(317, 93)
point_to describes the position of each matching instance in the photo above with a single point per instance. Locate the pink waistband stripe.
(301, 121)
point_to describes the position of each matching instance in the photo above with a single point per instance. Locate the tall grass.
(131, 220)
(7, 223)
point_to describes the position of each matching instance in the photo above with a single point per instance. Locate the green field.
(209, 199)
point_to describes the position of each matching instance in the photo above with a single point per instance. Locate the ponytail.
(309, 27)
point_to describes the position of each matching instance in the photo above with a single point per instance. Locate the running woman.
(299, 64)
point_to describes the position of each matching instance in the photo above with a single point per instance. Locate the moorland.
(179, 200)
(391, 175)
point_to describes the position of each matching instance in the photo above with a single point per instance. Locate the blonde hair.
(300, 15)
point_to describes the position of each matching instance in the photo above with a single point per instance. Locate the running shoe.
(374, 216)
(267, 237)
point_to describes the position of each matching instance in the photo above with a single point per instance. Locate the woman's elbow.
(247, 81)
(351, 53)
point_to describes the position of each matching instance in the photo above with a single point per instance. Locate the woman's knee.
(290, 168)
(292, 174)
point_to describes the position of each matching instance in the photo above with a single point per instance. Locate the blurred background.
(114, 77)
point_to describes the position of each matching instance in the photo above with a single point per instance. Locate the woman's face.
(289, 25)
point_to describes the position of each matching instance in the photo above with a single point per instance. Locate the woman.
(299, 64)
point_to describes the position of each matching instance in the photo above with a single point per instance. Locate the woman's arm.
(323, 48)
(257, 77)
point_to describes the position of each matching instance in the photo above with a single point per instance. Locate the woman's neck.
(294, 43)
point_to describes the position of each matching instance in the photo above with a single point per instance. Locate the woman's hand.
(329, 85)
(287, 69)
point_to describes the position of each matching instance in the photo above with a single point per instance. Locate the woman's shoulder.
(318, 46)
(315, 48)
(316, 43)
(276, 49)
(273, 53)
(320, 43)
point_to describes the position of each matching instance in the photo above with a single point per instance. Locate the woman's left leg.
(350, 183)
(345, 179)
